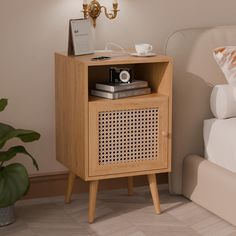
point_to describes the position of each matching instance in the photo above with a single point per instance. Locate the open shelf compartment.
(153, 73)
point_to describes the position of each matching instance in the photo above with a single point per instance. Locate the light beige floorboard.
(19, 228)
(169, 231)
(117, 214)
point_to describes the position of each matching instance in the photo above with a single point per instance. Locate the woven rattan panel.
(127, 136)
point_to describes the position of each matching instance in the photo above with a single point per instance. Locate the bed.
(206, 182)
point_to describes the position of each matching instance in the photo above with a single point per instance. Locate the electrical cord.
(114, 52)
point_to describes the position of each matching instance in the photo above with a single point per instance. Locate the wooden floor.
(117, 215)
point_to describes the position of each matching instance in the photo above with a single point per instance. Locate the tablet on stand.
(80, 37)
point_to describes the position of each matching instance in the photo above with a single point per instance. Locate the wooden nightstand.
(98, 138)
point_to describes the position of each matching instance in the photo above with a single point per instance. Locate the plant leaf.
(7, 132)
(14, 183)
(11, 152)
(4, 130)
(3, 103)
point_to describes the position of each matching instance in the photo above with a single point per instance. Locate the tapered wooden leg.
(70, 185)
(154, 191)
(93, 189)
(130, 186)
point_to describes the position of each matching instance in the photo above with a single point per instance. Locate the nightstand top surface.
(117, 59)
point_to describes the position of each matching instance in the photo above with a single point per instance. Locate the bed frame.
(195, 73)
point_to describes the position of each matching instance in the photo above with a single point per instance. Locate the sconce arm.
(111, 15)
(93, 10)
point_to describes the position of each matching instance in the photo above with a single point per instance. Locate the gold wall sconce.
(94, 9)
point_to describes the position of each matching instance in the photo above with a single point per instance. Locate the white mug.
(143, 48)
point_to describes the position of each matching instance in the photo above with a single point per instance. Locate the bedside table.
(98, 138)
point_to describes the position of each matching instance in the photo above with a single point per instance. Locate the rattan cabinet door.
(128, 136)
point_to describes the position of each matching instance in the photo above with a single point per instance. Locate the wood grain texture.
(130, 186)
(160, 77)
(154, 192)
(50, 185)
(71, 114)
(157, 164)
(121, 60)
(70, 185)
(93, 189)
(80, 136)
(74, 78)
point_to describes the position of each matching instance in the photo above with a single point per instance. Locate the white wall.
(154, 20)
(31, 31)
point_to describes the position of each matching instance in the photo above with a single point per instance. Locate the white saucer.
(150, 54)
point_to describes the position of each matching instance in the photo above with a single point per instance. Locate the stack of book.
(121, 90)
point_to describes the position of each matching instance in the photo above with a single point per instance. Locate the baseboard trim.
(55, 184)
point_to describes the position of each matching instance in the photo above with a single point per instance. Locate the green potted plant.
(14, 178)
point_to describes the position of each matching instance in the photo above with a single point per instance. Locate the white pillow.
(223, 101)
(226, 59)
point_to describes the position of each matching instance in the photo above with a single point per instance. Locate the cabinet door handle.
(165, 134)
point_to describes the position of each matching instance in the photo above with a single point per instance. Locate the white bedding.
(223, 101)
(220, 142)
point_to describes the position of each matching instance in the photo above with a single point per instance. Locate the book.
(120, 94)
(116, 87)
